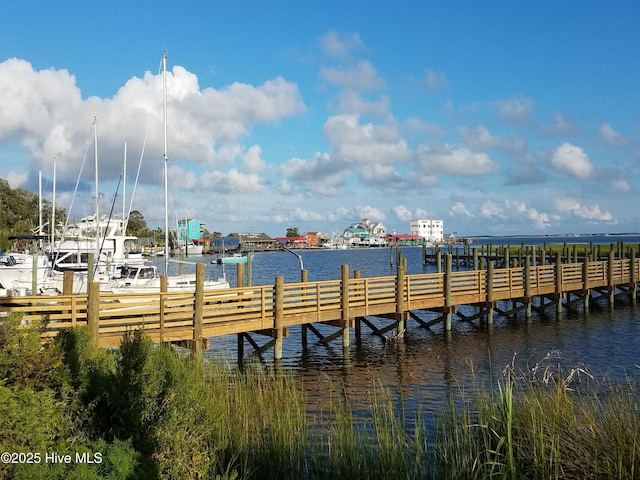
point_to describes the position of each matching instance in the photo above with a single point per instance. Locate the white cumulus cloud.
(587, 212)
(572, 161)
(455, 160)
(458, 209)
(361, 77)
(609, 136)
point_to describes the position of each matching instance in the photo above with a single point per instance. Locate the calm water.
(428, 363)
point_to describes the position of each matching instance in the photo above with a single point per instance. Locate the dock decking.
(195, 317)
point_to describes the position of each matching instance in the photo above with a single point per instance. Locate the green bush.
(27, 363)
(161, 402)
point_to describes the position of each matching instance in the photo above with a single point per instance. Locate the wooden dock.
(347, 303)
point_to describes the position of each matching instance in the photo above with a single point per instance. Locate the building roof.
(290, 239)
(252, 237)
(404, 236)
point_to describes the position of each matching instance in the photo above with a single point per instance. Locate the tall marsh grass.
(158, 413)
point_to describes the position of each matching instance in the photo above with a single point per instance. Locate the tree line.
(20, 215)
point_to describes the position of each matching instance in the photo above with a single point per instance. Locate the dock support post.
(634, 277)
(240, 349)
(357, 275)
(447, 291)
(249, 269)
(585, 281)
(304, 277)
(558, 268)
(612, 288)
(198, 309)
(527, 285)
(240, 275)
(93, 312)
(91, 269)
(438, 260)
(279, 310)
(475, 259)
(400, 296)
(344, 285)
(490, 268)
(67, 283)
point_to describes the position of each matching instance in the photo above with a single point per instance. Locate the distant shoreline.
(555, 235)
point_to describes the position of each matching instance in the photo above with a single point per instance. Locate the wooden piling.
(634, 275)
(304, 277)
(198, 309)
(527, 286)
(558, 268)
(344, 287)
(91, 269)
(240, 275)
(93, 312)
(611, 286)
(585, 281)
(279, 317)
(447, 291)
(400, 296)
(490, 271)
(67, 283)
(358, 323)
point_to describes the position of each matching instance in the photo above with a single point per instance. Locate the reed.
(550, 426)
(165, 414)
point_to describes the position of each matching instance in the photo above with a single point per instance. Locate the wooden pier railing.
(271, 309)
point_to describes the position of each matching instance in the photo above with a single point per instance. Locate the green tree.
(292, 232)
(19, 213)
(137, 225)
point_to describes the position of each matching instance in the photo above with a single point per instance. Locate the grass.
(156, 413)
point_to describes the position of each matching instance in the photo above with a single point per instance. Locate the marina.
(334, 311)
(420, 368)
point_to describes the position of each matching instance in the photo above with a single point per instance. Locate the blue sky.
(497, 117)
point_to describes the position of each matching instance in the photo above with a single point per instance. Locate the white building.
(430, 230)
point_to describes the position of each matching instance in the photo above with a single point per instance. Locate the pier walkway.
(197, 317)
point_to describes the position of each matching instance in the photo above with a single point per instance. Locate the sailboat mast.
(95, 156)
(124, 189)
(52, 228)
(40, 209)
(166, 161)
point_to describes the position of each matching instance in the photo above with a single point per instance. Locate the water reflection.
(429, 364)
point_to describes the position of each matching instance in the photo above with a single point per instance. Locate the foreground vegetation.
(152, 413)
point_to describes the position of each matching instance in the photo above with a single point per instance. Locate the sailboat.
(100, 238)
(140, 279)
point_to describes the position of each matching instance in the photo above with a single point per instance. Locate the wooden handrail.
(170, 316)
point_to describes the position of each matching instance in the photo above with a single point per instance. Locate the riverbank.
(148, 412)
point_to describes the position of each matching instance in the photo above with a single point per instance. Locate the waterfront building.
(254, 242)
(405, 239)
(316, 239)
(365, 234)
(190, 230)
(431, 230)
